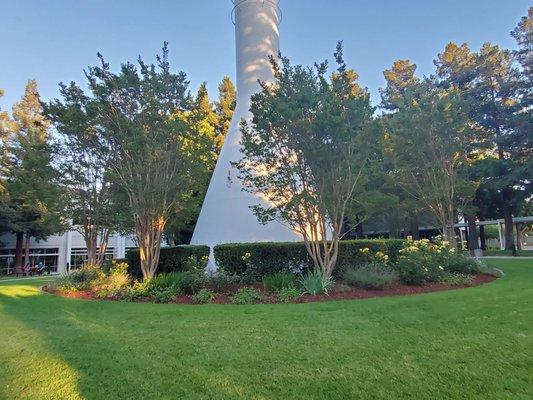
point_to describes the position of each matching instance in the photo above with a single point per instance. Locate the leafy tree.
(397, 205)
(203, 120)
(35, 198)
(86, 173)
(430, 143)
(399, 79)
(145, 123)
(306, 150)
(225, 106)
(5, 131)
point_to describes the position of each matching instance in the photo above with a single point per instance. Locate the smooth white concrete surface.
(225, 216)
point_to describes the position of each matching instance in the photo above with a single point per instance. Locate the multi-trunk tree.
(430, 144)
(86, 173)
(145, 121)
(306, 150)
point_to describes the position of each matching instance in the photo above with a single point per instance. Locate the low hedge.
(171, 259)
(268, 257)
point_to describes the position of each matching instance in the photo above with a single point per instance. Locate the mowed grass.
(474, 343)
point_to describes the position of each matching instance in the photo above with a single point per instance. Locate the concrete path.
(510, 257)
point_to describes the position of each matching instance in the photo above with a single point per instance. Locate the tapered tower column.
(225, 216)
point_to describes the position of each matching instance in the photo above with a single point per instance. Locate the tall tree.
(306, 151)
(144, 121)
(225, 106)
(5, 131)
(398, 206)
(32, 180)
(86, 173)
(204, 120)
(430, 144)
(399, 79)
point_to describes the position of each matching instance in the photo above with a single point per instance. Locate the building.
(59, 252)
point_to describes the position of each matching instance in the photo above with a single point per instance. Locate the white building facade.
(59, 253)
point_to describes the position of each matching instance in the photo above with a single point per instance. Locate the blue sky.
(54, 40)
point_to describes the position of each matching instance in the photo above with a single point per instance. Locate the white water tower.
(225, 216)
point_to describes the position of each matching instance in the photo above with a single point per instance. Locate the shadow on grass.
(457, 344)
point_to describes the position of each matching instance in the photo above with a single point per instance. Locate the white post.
(502, 237)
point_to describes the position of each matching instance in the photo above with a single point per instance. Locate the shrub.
(422, 261)
(171, 259)
(138, 290)
(369, 276)
(116, 283)
(220, 281)
(254, 261)
(246, 295)
(488, 270)
(204, 296)
(279, 280)
(289, 293)
(171, 280)
(165, 295)
(86, 277)
(454, 278)
(316, 283)
(462, 263)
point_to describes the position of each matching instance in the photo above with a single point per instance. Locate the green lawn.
(474, 343)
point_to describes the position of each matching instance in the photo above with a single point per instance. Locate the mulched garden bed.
(396, 289)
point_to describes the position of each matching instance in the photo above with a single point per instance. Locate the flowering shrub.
(370, 257)
(423, 261)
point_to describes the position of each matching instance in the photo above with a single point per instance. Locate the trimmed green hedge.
(171, 259)
(266, 257)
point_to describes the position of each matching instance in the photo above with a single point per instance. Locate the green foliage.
(165, 295)
(316, 133)
(179, 258)
(204, 296)
(172, 280)
(289, 293)
(30, 190)
(486, 269)
(461, 263)
(279, 280)
(315, 282)
(85, 278)
(257, 260)
(454, 278)
(246, 295)
(220, 281)
(369, 276)
(422, 261)
(115, 283)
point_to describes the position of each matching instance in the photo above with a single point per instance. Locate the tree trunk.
(27, 249)
(18, 253)
(448, 232)
(413, 226)
(149, 233)
(519, 236)
(359, 234)
(482, 238)
(473, 238)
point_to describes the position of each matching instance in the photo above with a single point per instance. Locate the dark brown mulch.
(396, 289)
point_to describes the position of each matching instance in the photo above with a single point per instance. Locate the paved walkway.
(510, 257)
